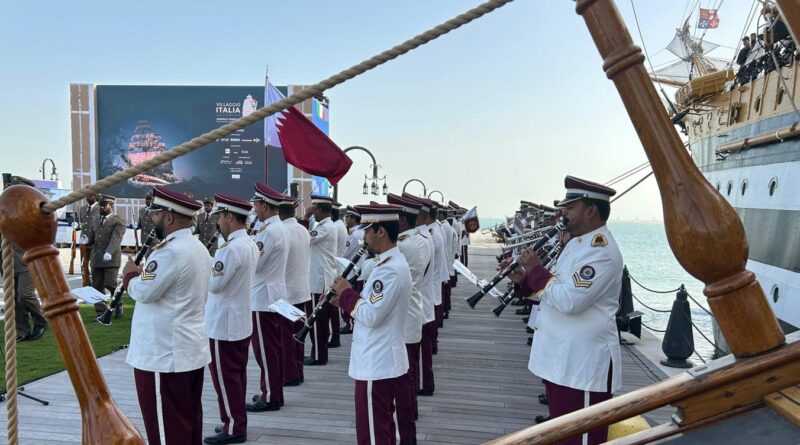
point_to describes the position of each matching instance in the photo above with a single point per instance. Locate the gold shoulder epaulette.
(383, 261)
(163, 243)
(402, 237)
(599, 240)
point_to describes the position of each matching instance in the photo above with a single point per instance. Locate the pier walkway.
(483, 386)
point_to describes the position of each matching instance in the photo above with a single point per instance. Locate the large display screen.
(137, 123)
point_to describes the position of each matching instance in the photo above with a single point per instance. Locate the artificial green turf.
(40, 358)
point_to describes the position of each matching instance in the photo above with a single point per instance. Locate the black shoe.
(530, 341)
(118, 311)
(223, 438)
(525, 319)
(21, 338)
(38, 332)
(523, 311)
(543, 399)
(528, 330)
(345, 331)
(434, 350)
(334, 344)
(541, 418)
(255, 398)
(309, 361)
(261, 405)
(425, 392)
(446, 315)
(295, 382)
(218, 429)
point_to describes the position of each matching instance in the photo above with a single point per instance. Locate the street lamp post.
(440, 194)
(367, 188)
(53, 172)
(424, 190)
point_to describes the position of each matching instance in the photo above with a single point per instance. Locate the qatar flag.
(304, 145)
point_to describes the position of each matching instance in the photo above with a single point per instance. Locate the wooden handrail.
(790, 11)
(27, 227)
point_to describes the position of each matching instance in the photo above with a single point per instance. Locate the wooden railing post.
(27, 227)
(703, 230)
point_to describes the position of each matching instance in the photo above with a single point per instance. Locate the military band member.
(104, 236)
(341, 246)
(414, 248)
(228, 317)
(580, 365)
(464, 242)
(353, 243)
(449, 239)
(206, 225)
(269, 286)
(144, 221)
(297, 291)
(168, 333)
(322, 268)
(378, 358)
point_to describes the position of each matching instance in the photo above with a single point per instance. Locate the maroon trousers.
(406, 405)
(412, 349)
(267, 348)
(375, 410)
(333, 337)
(347, 319)
(229, 374)
(319, 335)
(465, 255)
(181, 405)
(446, 291)
(293, 350)
(564, 400)
(425, 358)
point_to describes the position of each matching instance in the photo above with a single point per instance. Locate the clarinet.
(213, 240)
(507, 297)
(252, 224)
(116, 299)
(473, 300)
(300, 336)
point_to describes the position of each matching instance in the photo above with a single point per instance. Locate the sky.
(494, 112)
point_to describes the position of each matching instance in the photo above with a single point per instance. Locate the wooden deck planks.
(483, 387)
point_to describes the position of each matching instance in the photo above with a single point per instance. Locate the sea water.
(650, 261)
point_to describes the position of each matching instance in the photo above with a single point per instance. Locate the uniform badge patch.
(583, 278)
(218, 267)
(587, 272)
(347, 244)
(313, 233)
(149, 271)
(599, 240)
(377, 286)
(374, 298)
(260, 246)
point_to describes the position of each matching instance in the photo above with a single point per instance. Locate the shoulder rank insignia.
(374, 298)
(599, 240)
(402, 237)
(163, 243)
(584, 277)
(218, 267)
(383, 260)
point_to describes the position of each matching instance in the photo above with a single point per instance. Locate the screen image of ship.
(146, 144)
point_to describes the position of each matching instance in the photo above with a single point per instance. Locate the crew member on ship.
(576, 349)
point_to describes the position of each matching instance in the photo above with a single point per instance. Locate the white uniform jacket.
(168, 331)
(269, 282)
(322, 263)
(439, 268)
(228, 313)
(297, 265)
(448, 235)
(429, 286)
(352, 245)
(576, 331)
(378, 351)
(415, 250)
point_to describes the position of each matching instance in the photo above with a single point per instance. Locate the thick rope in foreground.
(10, 325)
(271, 109)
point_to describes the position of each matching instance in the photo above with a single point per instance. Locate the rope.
(632, 187)
(717, 349)
(701, 306)
(10, 325)
(699, 356)
(644, 47)
(269, 110)
(655, 291)
(628, 173)
(654, 329)
(663, 311)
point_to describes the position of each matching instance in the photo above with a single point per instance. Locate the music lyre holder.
(21, 393)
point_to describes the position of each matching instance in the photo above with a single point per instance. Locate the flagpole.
(266, 126)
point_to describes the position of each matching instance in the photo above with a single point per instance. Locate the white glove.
(84, 239)
(106, 257)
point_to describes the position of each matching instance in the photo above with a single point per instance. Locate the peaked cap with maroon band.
(378, 213)
(409, 206)
(427, 204)
(321, 199)
(582, 189)
(166, 199)
(228, 203)
(269, 195)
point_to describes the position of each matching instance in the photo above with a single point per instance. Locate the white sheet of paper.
(287, 310)
(89, 295)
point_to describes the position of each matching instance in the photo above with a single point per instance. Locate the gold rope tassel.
(12, 424)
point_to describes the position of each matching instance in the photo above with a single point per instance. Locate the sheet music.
(287, 310)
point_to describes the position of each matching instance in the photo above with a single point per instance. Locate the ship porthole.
(773, 184)
(758, 104)
(744, 186)
(776, 294)
(730, 187)
(781, 93)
